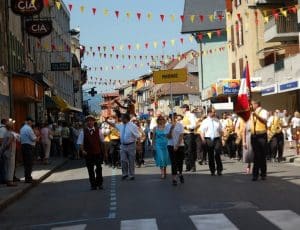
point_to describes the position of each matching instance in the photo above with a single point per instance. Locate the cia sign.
(39, 28)
(27, 7)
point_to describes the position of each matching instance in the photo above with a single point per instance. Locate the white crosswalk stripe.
(140, 224)
(283, 219)
(212, 222)
(71, 227)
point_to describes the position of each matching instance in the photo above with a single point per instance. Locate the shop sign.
(289, 86)
(60, 66)
(272, 89)
(228, 87)
(27, 7)
(39, 27)
(206, 93)
(169, 76)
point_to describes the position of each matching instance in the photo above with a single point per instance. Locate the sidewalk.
(40, 172)
(290, 155)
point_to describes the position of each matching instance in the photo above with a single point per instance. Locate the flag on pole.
(242, 106)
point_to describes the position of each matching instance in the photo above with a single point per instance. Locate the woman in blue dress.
(160, 142)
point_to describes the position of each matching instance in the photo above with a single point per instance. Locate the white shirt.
(129, 132)
(80, 139)
(192, 119)
(295, 122)
(211, 128)
(177, 131)
(262, 113)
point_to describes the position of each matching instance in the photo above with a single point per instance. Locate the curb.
(18, 194)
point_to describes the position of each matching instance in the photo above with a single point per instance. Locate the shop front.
(283, 95)
(27, 94)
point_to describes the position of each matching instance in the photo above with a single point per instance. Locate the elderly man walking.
(90, 140)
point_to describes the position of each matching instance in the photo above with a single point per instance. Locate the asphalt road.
(231, 201)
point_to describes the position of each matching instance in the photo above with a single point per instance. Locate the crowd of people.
(123, 140)
(36, 143)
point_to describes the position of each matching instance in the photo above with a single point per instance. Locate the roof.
(205, 8)
(112, 94)
(174, 62)
(191, 86)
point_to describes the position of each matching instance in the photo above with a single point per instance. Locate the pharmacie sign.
(27, 7)
(169, 76)
(39, 27)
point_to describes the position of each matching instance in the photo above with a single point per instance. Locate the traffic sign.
(170, 76)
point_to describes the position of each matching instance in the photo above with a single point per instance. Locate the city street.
(231, 201)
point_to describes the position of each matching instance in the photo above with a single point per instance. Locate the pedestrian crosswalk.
(275, 219)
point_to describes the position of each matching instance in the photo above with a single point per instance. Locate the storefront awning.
(63, 105)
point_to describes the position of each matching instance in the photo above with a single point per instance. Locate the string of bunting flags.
(157, 59)
(194, 18)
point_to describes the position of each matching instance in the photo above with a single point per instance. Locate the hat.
(186, 106)
(29, 119)
(90, 117)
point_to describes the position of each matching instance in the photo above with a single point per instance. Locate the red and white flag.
(242, 106)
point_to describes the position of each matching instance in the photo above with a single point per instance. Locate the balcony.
(282, 30)
(265, 3)
(283, 70)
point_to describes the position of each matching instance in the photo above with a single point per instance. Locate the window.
(241, 34)
(232, 38)
(237, 33)
(233, 70)
(241, 63)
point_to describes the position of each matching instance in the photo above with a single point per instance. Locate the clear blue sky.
(99, 30)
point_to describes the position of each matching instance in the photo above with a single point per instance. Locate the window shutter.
(233, 70)
(241, 63)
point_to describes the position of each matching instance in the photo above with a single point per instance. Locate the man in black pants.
(90, 144)
(211, 132)
(259, 140)
(189, 124)
(28, 139)
(176, 148)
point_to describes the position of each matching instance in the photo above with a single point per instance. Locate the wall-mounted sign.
(60, 66)
(39, 27)
(168, 76)
(228, 87)
(269, 90)
(289, 86)
(27, 7)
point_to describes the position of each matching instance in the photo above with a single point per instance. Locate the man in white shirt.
(129, 134)
(211, 133)
(189, 123)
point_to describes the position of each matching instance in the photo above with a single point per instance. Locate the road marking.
(283, 219)
(212, 222)
(141, 224)
(113, 198)
(73, 227)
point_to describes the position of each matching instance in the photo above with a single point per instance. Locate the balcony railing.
(284, 24)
